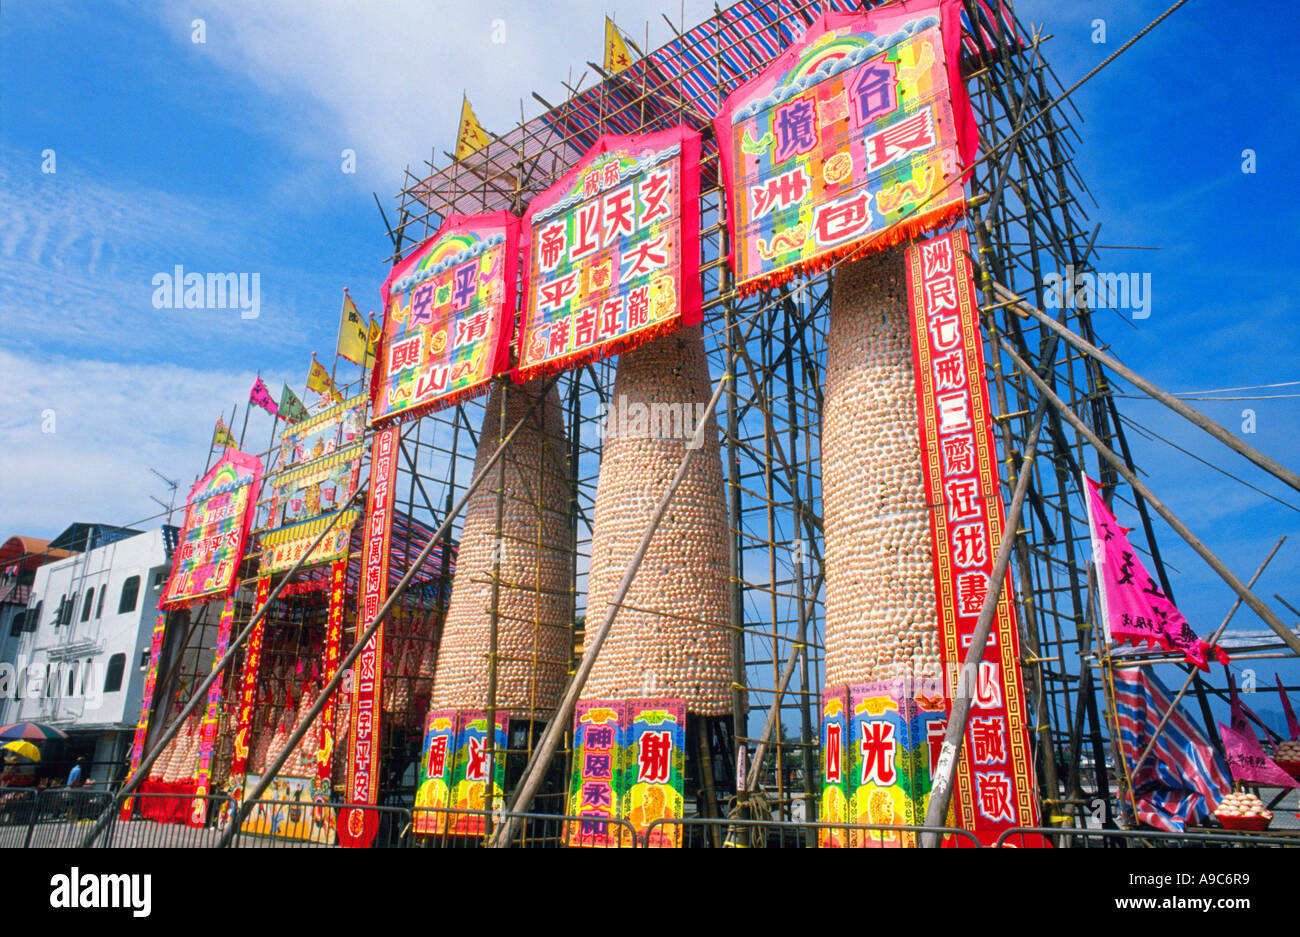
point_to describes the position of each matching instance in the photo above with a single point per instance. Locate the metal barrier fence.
(720, 832)
(1143, 839)
(61, 817)
(451, 828)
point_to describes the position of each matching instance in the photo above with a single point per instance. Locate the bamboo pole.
(1169, 400)
(363, 639)
(1214, 639)
(537, 764)
(1259, 608)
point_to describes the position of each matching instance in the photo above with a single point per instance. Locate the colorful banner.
(595, 784)
(995, 780)
(654, 770)
(247, 691)
(359, 827)
(211, 720)
(1247, 759)
(286, 811)
(317, 470)
(146, 704)
(437, 758)
(860, 127)
(474, 767)
(834, 804)
(449, 311)
(218, 515)
(262, 397)
(612, 252)
(894, 744)
(333, 638)
(1133, 607)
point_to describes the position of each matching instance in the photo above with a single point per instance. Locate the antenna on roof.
(171, 505)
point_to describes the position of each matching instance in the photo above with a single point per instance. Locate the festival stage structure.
(822, 233)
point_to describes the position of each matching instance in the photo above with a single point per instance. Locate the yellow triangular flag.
(471, 137)
(318, 379)
(616, 56)
(221, 435)
(372, 343)
(352, 332)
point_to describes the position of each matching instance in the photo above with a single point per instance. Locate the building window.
(130, 591)
(159, 578)
(99, 607)
(16, 625)
(116, 664)
(85, 604)
(144, 659)
(34, 619)
(72, 679)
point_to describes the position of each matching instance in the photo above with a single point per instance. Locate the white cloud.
(112, 422)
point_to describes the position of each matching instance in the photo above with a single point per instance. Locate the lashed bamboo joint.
(881, 620)
(670, 635)
(535, 566)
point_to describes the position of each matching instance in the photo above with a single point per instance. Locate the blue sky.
(226, 155)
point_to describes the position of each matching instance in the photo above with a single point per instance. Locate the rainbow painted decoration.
(834, 803)
(448, 317)
(852, 140)
(218, 515)
(474, 768)
(894, 742)
(612, 251)
(594, 785)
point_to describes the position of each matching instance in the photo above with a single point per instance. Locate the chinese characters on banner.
(325, 740)
(1133, 607)
(448, 316)
(247, 689)
(474, 768)
(654, 770)
(995, 779)
(860, 127)
(211, 718)
(834, 806)
(612, 251)
(437, 758)
(363, 743)
(598, 741)
(146, 704)
(317, 472)
(629, 763)
(218, 515)
(894, 743)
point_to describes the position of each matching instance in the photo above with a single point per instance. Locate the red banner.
(211, 718)
(247, 692)
(146, 704)
(333, 635)
(358, 826)
(995, 779)
(613, 252)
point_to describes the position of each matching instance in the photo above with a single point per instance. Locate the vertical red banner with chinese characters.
(613, 252)
(995, 778)
(333, 635)
(146, 704)
(247, 692)
(211, 718)
(358, 827)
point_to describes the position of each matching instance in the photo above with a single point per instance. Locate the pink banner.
(1292, 724)
(1247, 759)
(1133, 607)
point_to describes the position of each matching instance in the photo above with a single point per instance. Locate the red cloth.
(173, 807)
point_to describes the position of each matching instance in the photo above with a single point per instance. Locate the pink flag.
(1247, 759)
(1292, 724)
(262, 397)
(1133, 607)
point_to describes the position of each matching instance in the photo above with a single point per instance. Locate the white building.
(83, 652)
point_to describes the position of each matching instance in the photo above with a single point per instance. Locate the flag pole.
(244, 429)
